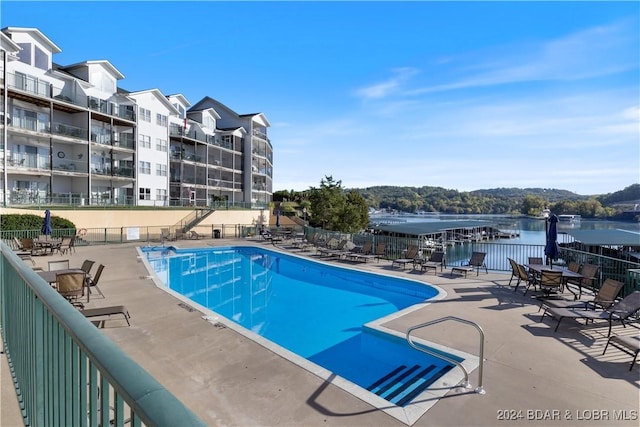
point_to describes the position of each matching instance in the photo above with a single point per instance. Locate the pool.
(327, 315)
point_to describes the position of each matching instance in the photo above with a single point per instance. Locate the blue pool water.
(312, 309)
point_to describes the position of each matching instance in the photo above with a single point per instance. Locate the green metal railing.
(65, 371)
(497, 252)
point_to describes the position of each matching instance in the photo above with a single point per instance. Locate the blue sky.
(460, 95)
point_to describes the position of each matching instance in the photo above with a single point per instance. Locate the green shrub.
(23, 222)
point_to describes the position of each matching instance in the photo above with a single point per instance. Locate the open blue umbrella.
(46, 225)
(551, 249)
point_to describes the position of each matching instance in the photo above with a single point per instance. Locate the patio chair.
(630, 345)
(573, 266)
(91, 313)
(605, 298)
(589, 273)
(476, 262)
(66, 245)
(549, 281)
(92, 282)
(621, 311)
(514, 271)
(86, 266)
(61, 264)
(535, 260)
(71, 287)
(436, 259)
(409, 257)
(525, 277)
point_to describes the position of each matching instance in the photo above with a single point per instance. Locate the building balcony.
(69, 131)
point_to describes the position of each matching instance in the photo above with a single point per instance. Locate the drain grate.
(187, 307)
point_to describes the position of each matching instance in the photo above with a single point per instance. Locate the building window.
(145, 115)
(161, 144)
(162, 120)
(145, 194)
(144, 141)
(41, 59)
(161, 170)
(145, 168)
(209, 123)
(161, 194)
(24, 55)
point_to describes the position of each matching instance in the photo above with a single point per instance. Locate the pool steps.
(403, 384)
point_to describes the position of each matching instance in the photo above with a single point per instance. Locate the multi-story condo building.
(70, 135)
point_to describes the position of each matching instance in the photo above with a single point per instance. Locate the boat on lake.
(569, 219)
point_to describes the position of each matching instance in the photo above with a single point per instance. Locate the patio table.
(47, 246)
(566, 274)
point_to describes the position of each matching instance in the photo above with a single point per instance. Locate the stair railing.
(480, 389)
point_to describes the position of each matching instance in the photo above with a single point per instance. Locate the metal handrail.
(56, 353)
(480, 389)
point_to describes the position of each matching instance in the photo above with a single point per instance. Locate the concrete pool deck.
(532, 376)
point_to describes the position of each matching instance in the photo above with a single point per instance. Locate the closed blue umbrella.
(46, 225)
(551, 249)
(278, 218)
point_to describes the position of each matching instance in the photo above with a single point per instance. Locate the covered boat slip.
(621, 244)
(440, 233)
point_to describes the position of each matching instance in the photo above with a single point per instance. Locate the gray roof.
(422, 228)
(606, 237)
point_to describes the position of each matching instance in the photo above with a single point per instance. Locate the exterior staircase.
(191, 220)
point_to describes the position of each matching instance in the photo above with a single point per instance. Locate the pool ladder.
(465, 383)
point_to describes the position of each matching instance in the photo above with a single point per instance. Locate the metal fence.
(66, 372)
(497, 256)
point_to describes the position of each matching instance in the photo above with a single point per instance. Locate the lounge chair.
(436, 259)
(621, 311)
(106, 311)
(605, 297)
(23, 253)
(476, 262)
(333, 247)
(630, 345)
(366, 249)
(195, 235)
(165, 234)
(409, 257)
(27, 244)
(377, 254)
(344, 247)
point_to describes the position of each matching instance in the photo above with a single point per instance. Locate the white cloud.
(388, 87)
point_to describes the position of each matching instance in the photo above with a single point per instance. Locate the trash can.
(216, 233)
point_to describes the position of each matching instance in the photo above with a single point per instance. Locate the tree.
(332, 209)
(533, 205)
